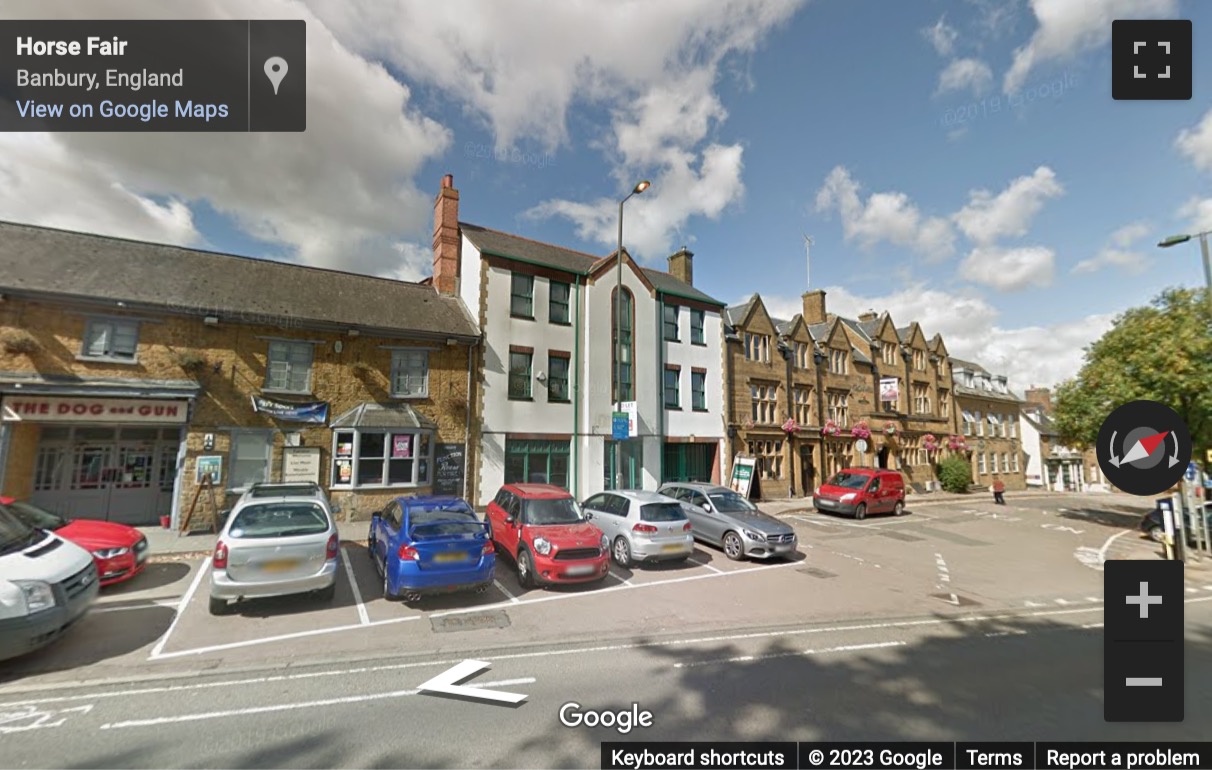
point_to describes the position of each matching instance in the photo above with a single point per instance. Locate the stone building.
(131, 371)
(990, 418)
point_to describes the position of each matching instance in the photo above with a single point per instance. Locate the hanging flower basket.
(830, 428)
(890, 429)
(957, 444)
(930, 442)
(791, 427)
(861, 430)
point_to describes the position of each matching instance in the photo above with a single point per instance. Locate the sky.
(959, 164)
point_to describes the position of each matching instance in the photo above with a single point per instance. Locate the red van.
(859, 491)
(547, 535)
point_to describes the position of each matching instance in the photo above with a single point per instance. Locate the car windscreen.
(36, 517)
(15, 533)
(849, 480)
(279, 520)
(553, 511)
(662, 512)
(731, 502)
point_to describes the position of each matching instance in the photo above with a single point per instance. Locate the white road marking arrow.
(447, 683)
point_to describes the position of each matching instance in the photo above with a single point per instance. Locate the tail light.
(488, 549)
(643, 528)
(686, 527)
(408, 553)
(334, 542)
(220, 560)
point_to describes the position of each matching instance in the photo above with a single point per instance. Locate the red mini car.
(543, 529)
(120, 551)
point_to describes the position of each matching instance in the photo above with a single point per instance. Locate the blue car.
(430, 545)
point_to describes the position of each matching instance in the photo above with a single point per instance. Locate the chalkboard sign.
(448, 469)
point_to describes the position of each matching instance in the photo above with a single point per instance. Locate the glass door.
(633, 464)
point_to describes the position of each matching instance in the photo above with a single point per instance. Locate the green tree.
(1161, 352)
(954, 474)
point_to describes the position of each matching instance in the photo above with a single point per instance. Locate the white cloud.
(1031, 355)
(1068, 28)
(334, 202)
(1198, 213)
(1009, 269)
(942, 36)
(1119, 252)
(1196, 143)
(884, 217)
(965, 75)
(988, 217)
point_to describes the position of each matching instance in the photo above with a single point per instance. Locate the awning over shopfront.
(375, 415)
(79, 400)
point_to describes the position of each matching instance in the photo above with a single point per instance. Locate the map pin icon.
(275, 70)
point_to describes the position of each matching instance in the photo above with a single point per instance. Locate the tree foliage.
(954, 474)
(1161, 352)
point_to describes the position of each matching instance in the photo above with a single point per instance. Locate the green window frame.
(623, 345)
(557, 378)
(673, 388)
(698, 391)
(520, 368)
(543, 462)
(521, 296)
(558, 297)
(698, 320)
(672, 316)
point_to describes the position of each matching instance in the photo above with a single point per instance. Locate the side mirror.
(707, 507)
(511, 520)
(589, 514)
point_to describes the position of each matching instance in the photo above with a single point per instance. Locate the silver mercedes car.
(721, 517)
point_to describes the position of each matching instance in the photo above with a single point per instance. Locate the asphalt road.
(958, 622)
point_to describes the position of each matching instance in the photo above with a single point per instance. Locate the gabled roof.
(735, 314)
(85, 267)
(515, 247)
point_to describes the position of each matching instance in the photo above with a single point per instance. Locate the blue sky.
(957, 163)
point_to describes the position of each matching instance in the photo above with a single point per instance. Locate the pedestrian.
(999, 490)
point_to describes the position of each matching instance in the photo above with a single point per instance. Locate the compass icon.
(1143, 448)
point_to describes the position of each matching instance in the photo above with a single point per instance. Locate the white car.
(276, 544)
(641, 526)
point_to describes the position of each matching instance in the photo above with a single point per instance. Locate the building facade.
(132, 372)
(1050, 463)
(547, 388)
(990, 418)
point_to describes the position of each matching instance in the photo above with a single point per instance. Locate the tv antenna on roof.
(808, 257)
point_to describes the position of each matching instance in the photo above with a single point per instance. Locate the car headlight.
(849, 497)
(38, 595)
(542, 546)
(605, 542)
(109, 553)
(758, 536)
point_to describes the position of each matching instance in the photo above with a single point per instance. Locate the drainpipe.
(729, 410)
(788, 354)
(660, 338)
(818, 359)
(467, 428)
(575, 366)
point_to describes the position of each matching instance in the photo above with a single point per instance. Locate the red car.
(120, 551)
(543, 529)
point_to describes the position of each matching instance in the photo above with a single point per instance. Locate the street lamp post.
(1174, 240)
(618, 336)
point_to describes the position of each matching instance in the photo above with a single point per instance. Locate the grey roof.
(101, 268)
(964, 390)
(115, 387)
(860, 356)
(820, 331)
(781, 326)
(857, 326)
(969, 365)
(372, 415)
(870, 328)
(515, 247)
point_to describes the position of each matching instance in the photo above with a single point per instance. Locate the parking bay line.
(189, 594)
(353, 583)
(513, 599)
(717, 570)
(288, 706)
(153, 604)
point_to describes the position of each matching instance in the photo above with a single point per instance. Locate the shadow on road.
(154, 575)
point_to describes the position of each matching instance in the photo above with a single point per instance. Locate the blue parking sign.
(621, 426)
(1192, 471)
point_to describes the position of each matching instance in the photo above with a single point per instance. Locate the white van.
(46, 585)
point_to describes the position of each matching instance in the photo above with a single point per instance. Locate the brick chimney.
(870, 315)
(1040, 396)
(447, 244)
(814, 307)
(681, 265)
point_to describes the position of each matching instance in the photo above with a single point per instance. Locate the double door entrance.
(125, 475)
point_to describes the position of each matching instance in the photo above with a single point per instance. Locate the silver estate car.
(721, 517)
(278, 540)
(642, 526)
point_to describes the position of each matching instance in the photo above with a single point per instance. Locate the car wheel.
(218, 606)
(621, 552)
(327, 594)
(860, 513)
(1157, 534)
(525, 570)
(899, 508)
(733, 547)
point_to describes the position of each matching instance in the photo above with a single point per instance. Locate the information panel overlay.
(932, 755)
(118, 76)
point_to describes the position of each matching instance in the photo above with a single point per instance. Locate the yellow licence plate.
(281, 565)
(671, 548)
(449, 557)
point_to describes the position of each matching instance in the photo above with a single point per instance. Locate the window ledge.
(556, 400)
(560, 323)
(701, 409)
(107, 360)
(521, 317)
(521, 398)
(375, 487)
(670, 408)
(281, 392)
(403, 397)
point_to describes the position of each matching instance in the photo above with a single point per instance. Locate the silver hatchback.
(275, 546)
(641, 526)
(723, 518)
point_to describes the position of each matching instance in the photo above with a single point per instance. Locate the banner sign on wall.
(316, 411)
(86, 409)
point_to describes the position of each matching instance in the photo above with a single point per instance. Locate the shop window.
(409, 373)
(698, 319)
(381, 458)
(289, 366)
(557, 303)
(521, 301)
(536, 462)
(111, 339)
(48, 466)
(250, 456)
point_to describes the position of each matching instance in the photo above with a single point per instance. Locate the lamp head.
(1174, 240)
(641, 187)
